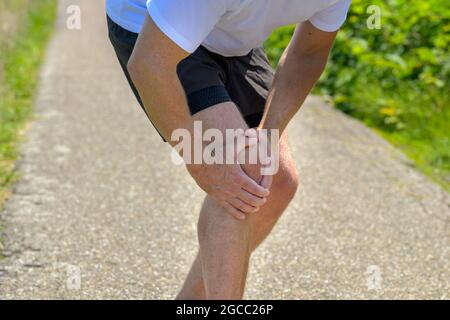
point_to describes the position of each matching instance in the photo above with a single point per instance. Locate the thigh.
(225, 116)
(221, 116)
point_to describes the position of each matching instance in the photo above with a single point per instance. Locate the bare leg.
(225, 243)
(224, 251)
(193, 287)
(283, 190)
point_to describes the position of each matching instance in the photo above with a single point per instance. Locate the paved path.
(99, 194)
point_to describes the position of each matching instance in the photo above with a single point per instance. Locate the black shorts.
(209, 78)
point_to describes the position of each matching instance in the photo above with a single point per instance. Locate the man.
(201, 60)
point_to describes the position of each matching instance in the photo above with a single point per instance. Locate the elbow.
(133, 68)
(140, 71)
(143, 71)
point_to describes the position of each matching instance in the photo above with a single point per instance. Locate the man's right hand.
(230, 186)
(239, 188)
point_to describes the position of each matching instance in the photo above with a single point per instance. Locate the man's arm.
(300, 67)
(153, 69)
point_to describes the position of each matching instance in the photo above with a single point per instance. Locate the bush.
(395, 78)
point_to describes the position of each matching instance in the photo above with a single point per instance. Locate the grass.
(414, 119)
(416, 122)
(429, 157)
(26, 26)
(412, 115)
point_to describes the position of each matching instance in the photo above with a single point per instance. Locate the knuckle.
(237, 179)
(228, 189)
(257, 201)
(253, 203)
(226, 194)
(250, 199)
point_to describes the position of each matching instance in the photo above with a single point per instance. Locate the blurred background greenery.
(395, 79)
(25, 27)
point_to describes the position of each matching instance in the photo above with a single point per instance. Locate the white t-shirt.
(227, 27)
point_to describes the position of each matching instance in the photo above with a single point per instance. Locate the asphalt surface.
(100, 199)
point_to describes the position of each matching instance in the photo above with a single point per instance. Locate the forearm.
(163, 97)
(294, 79)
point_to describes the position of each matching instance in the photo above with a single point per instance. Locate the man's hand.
(239, 188)
(230, 186)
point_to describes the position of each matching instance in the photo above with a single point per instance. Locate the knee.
(286, 183)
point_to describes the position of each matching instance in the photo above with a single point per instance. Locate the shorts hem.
(207, 97)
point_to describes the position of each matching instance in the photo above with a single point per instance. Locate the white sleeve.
(187, 22)
(331, 18)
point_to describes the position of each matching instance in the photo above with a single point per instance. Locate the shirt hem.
(127, 25)
(168, 30)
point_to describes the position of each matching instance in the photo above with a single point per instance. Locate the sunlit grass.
(24, 46)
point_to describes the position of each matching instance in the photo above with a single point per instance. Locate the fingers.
(240, 180)
(250, 199)
(242, 206)
(233, 211)
(254, 188)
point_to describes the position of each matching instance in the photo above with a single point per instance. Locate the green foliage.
(19, 66)
(395, 78)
